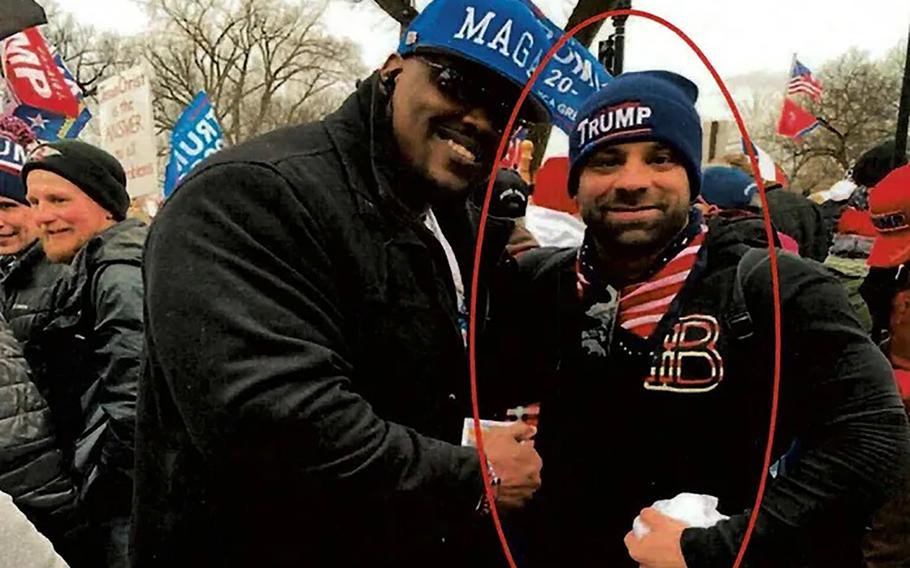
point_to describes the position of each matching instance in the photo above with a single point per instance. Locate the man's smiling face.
(446, 125)
(634, 195)
(17, 226)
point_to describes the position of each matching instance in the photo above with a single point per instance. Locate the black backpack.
(752, 248)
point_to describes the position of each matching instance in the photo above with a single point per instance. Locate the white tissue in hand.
(693, 509)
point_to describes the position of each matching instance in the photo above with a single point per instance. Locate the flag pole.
(903, 112)
(827, 126)
(789, 75)
(787, 85)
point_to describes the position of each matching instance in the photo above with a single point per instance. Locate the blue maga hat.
(640, 106)
(502, 35)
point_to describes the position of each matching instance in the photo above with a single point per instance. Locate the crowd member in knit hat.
(733, 194)
(887, 544)
(656, 372)
(306, 369)
(87, 357)
(791, 213)
(30, 280)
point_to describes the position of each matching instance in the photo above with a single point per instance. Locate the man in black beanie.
(29, 280)
(87, 358)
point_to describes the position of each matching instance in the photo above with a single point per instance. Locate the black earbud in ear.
(388, 82)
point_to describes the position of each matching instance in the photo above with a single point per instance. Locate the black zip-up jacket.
(87, 365)
(801, 219)
(29, 290)
(32, 468)
(689, 412)
(306, 380)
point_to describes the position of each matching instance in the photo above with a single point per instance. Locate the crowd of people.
(276, 372)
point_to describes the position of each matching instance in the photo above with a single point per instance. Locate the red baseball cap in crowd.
(889, 204)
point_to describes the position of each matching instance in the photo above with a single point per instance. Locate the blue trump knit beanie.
(12, 157)
(640, 106)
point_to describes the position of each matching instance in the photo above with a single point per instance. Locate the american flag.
(802, 81)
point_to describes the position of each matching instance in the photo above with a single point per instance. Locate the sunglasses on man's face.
(468, 90)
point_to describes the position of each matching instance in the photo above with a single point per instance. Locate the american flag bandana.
(643, 304)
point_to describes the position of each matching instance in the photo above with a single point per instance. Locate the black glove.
(510, 195)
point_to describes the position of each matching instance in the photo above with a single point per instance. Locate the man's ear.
(390, 70)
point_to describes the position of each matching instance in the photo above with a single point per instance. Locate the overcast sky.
(738, 36)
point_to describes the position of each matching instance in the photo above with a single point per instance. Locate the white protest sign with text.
(127, 128)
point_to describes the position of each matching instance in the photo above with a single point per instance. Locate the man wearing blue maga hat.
(306, 377)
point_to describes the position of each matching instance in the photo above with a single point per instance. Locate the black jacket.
(688, 412)
(87, 365)
(29, 291)
(831, 213)
(32, 468)
(306, 377)
(801, 219)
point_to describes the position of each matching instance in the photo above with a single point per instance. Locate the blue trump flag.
(196, 136)
(573, 75)
(511, 37)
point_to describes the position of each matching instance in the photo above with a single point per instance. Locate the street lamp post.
(611, 51)
(903, 113)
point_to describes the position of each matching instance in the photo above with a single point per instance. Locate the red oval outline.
(769, 232)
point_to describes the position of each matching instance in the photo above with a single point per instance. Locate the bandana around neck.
(640, 306)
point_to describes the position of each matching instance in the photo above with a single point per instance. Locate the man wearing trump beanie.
(89, 356)
(653, 346)
(646, 105)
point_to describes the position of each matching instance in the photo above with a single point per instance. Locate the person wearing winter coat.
(887, 544)
(306, 378)
(29, 281)
(33, 471)
(89, 351)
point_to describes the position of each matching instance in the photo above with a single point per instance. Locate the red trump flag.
(34, 77)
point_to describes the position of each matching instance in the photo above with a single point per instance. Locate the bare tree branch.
(262, 62)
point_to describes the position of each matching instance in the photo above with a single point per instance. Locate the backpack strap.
(737, 317)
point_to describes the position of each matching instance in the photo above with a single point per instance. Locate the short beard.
(608, 243)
